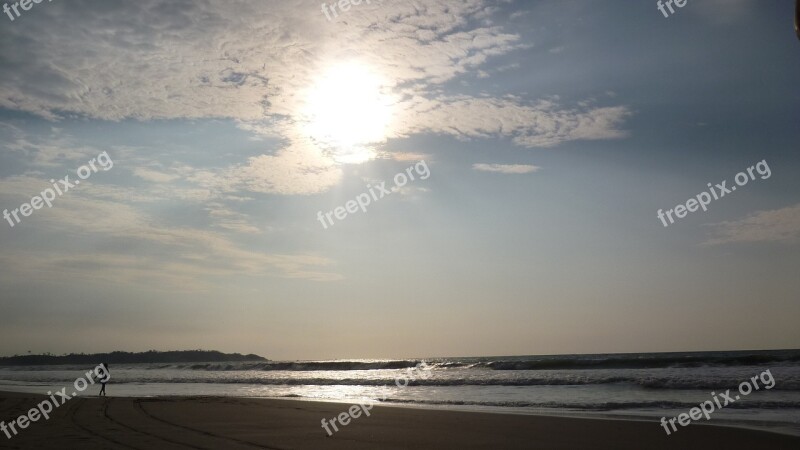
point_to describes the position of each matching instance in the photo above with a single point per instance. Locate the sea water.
(644, 386)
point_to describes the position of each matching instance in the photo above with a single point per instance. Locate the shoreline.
(238, 422)
(780, 428)
(784, 429)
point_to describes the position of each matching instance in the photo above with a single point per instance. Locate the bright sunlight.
(347, 110)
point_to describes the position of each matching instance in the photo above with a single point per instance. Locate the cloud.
(252, 63)
(182, 59)
(779, 225)
(506, 168)
(167, 255)
(407, 156)
(46, 151)
(543, 124)
(154, 176)
(231, 220)
(182, 257)
(300, 169)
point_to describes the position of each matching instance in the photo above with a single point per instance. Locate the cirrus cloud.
(506, 168)
(778, 225)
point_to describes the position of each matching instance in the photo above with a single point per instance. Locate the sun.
(346, 110)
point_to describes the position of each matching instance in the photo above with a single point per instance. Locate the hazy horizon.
(406, 357)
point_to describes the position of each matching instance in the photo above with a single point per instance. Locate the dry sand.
(235, 423)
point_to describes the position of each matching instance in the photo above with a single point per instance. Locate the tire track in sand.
(107, 402)
(203, 432)
(72, 413)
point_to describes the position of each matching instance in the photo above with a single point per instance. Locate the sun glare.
(347, 110)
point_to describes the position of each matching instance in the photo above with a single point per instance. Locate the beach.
(241, 423)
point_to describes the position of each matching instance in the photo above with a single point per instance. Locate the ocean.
(644, 386)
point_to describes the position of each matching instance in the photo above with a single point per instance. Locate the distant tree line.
(152, 356)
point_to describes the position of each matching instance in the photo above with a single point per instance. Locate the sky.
(543, 138)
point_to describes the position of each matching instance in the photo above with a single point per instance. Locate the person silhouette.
(104, 378)
(797, 18)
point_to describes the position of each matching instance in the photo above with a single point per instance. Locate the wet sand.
(236, 423)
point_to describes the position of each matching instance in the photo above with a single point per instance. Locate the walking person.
(105, 377)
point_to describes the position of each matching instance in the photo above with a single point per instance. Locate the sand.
(236, 423)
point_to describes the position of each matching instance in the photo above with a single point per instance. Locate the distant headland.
(152, 356)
